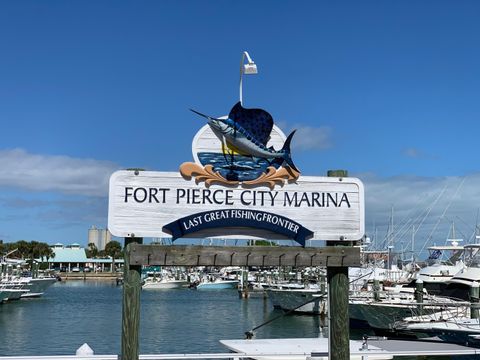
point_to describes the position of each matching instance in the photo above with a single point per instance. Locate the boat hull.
(292, 300)
(218, 285)
(159, 285)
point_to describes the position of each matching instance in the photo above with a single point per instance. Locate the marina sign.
(165, 204)
(243, 183)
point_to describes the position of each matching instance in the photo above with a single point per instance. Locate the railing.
(232, 356)
(142, 357)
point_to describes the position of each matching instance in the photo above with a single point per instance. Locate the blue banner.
(238, 218)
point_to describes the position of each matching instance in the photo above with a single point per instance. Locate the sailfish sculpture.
(248, 131)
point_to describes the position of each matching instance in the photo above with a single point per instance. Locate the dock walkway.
(90, 276)
(304, 349)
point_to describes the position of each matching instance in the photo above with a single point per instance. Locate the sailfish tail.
(286, 149)
(287, 157)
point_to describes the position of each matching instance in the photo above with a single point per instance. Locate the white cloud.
(312, 138)
(429, 204)
(412, 153)
(308, 137)
(65, 174)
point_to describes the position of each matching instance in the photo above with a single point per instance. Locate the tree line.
(34, 250)
(112, 249)
(26, 250)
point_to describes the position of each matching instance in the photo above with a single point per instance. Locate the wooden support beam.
(194, 255)
(338, 288)
(131, 303)
(339, 326)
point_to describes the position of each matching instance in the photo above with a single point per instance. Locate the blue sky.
(386, 90)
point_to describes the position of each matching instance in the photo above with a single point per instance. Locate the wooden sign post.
(338, 288)
(335, 258)
(131, 303)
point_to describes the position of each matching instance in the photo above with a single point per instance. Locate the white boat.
(307, 301)
(217, 284)
(459, 285)
(14, 294)
(3, 295)
(37, 286)
(445, 326)
(438, 272)
(152, 283)
(394, 305)
(12, 290)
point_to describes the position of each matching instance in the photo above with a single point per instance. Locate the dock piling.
(474, 300)
(337, 288)
(131, 304)
(419, 295)
(376, 290)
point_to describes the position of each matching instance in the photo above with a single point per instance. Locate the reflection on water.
(172, 321)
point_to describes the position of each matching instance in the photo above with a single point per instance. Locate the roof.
(72, 255)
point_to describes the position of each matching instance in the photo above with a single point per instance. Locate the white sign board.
(142, 204)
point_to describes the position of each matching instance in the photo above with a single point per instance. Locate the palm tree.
(113, 249)
(92, 250)
(44, 252)
(33, 248)
(23, 249)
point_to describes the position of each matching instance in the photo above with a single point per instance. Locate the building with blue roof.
(74, 257)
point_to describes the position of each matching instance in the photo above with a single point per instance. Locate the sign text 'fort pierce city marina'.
(164, 204)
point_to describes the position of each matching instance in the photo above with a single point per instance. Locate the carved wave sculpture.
(270, 178)
(207, 174)
(274, 177)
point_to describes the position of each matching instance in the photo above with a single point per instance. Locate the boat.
(382, 310)
(152, 283)
(217, 284)
(438, 272)
(304, 301)
(453, 326)
(459, 285)
(367, 309)
(12, 290)
(37, 286)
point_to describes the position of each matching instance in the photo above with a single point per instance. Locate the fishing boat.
(217, 284)
(382, 310)
(439, 271)
(152, 283)
(12, 290)
(37, 286)
(459, 285)
(304, 301)
(453, 326)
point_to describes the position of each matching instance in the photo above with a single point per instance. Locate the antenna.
(248, 69)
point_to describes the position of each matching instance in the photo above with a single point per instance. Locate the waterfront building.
(99, 237)
(74, 258)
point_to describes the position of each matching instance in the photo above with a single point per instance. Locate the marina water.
(172, 321)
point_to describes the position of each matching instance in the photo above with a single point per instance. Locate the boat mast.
(391, 240)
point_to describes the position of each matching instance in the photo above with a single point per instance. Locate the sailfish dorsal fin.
(257, 122)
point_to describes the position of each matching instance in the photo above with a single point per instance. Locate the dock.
(107, 276)
(296, 349)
